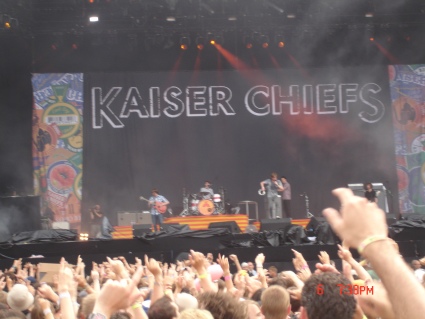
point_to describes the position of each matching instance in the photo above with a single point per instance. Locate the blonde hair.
(275, 302)
(195, 314)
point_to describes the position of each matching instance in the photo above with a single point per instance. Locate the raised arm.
(362, 225)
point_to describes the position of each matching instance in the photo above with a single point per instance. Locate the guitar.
(159, 206)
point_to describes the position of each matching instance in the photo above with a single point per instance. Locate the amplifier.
(131, 218)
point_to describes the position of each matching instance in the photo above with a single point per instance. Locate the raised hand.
(344, 253)
(299, 261)
(223, 261)
(324, 257)
(357, 220)
(153, 266)
(259, 259)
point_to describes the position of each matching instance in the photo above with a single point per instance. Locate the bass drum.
(206, 207)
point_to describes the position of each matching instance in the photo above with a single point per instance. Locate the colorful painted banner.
(408, 101)
(58, 145)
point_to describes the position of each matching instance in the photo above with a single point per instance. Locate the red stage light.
(74, 46)
(265, 45)
(183, 46)
(281, 44)
(249, 45)
(200, 46)
(371, 39)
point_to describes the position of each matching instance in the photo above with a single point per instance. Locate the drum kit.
(203, 203)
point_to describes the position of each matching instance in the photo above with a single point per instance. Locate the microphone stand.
(307, 205)
(185, 211)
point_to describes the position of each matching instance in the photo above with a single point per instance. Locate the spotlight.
(264, 40)
(84, 236)
(211, 38)
(279, 41)
(248, 42)
(94, 19)
(200, 42)
(184, 43)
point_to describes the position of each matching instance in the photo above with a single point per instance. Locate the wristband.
(304, 267)
(228, 277)
(136, 305)
(369, 241)
(64, 295)
(202, 276)
(259, 266)
(47, 311)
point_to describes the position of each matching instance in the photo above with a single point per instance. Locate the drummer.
(207, 192)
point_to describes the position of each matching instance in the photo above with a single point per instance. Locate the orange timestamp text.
(348, 290)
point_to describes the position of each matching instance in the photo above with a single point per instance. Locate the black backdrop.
(317, 152)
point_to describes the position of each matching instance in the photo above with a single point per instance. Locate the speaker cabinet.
(126, 218)
(275, 224)
(139, 230)
(232, 226)
(144, 218)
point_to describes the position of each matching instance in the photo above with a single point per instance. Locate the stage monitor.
(381, 193)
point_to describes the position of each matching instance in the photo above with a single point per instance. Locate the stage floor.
(201, 223)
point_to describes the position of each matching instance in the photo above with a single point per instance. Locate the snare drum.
(206, 207)
(217, 198)
(194, 205)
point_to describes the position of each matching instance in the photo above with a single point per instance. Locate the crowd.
(382, 285)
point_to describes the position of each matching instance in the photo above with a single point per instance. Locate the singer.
(370, 193)
(273, 202)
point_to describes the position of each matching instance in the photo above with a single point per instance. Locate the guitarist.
(157, 203)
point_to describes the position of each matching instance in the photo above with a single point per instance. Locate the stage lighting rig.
(200, 42)
(264, 40)
(279, 41)
(248, 42)
(184, 42)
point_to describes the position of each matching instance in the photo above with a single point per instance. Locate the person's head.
(97, 207)
(207, 184)
(87, 305)
(186, 301)
(210, 258)
(415, 264)
(222, 305)
(250, 266)
(244, 266)
(367, 186)
(330, 304)
(256, 296)
(155, 192)
(195, 314)
(12, 314)
(272, 271)
(273, 176)
(283, 179)
(37, 310)
(163, 308)
(19, 298)
(275, 303)
(120, 315)
(253, 309)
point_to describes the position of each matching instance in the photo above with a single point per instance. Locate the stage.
(37, 247)
(202, 223)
